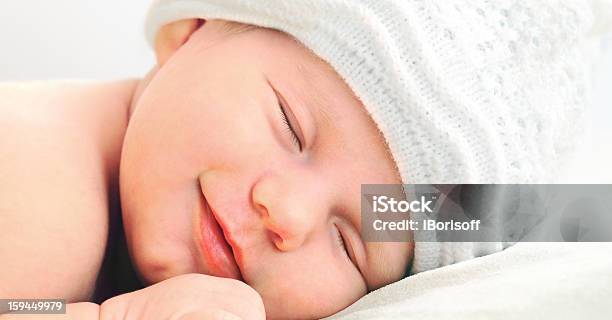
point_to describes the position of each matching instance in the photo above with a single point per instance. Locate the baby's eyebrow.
(313, 96)
(234, 28)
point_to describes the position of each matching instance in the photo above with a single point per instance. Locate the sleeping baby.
(225, 184)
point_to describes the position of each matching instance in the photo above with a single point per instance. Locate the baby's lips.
(217, 253)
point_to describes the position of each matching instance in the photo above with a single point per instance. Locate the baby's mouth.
(217, 254)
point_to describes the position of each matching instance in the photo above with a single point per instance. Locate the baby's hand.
(187, 297)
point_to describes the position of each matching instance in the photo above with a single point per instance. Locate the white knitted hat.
(464, 91)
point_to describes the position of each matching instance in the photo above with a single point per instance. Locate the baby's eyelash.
(342, 244)
(341, 241)
(289, 127)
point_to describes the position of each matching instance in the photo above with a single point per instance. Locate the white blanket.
(526, 281)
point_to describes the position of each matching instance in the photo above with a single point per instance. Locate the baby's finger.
(214, 314)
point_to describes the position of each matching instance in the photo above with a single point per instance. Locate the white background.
(104, 39)
(49, 39)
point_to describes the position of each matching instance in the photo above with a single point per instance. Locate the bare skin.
(59, 169)
(60, 216)
(60, 151)
(67, 242)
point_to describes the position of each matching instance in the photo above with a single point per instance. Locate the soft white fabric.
(526, 281)
(464, 91)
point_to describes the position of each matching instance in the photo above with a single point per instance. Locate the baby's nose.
(289, 215)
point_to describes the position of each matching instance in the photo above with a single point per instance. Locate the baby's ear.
(172, 36)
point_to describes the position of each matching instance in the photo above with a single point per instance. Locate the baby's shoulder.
(59, 150)
(45, 103)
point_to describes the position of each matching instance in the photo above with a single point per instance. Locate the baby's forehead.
(272, 39)
(312, 80)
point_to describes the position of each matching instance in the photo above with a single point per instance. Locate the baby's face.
(252, 135)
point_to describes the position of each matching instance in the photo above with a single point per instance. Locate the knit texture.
(464, 91)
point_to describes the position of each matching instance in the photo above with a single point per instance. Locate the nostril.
(262, 210)
(276, 239)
